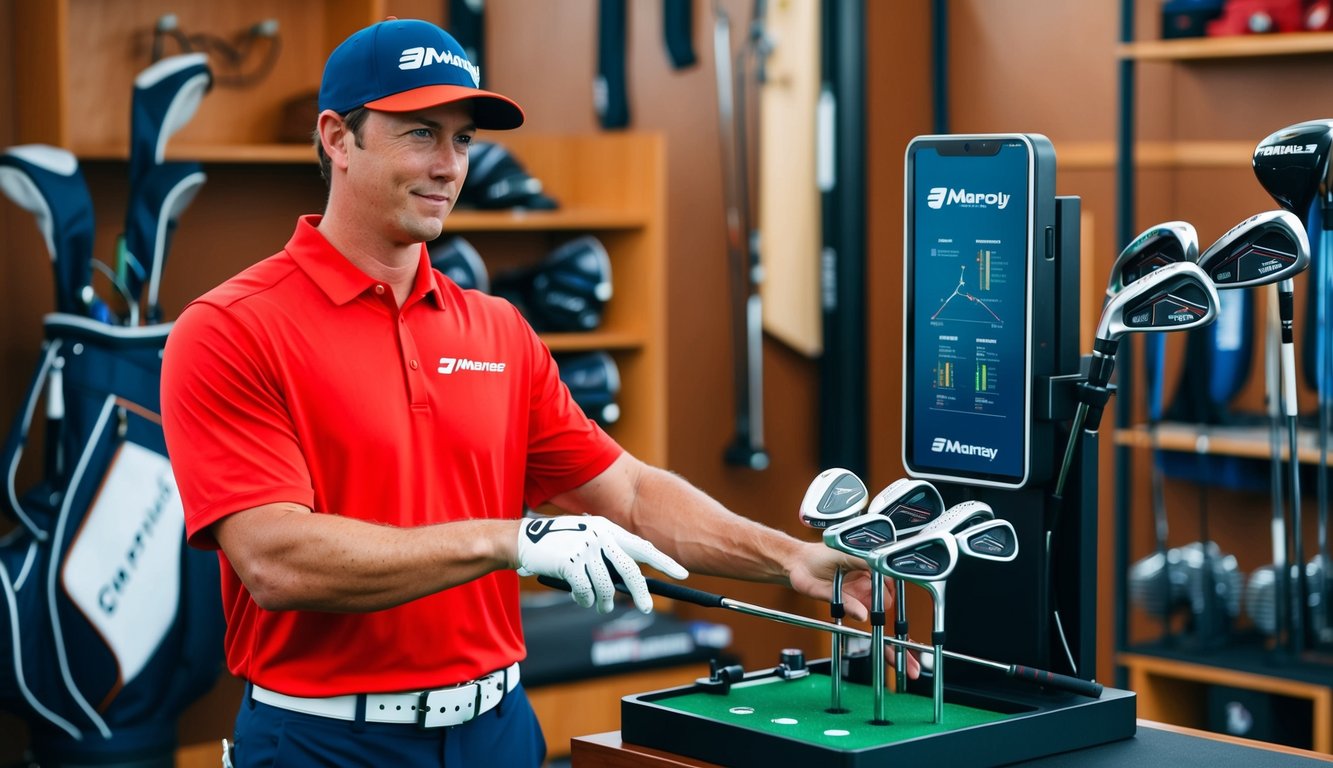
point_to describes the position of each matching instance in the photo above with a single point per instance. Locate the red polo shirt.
(300, 380)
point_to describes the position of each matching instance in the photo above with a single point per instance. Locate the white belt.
(437, 708)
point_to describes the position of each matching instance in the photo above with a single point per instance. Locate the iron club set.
(834, 496)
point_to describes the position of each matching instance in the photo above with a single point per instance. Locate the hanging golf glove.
(582, 550)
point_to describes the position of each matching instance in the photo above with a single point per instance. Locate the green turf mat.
(796, 709)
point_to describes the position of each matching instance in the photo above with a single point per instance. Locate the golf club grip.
(655, 586)
(1051, 679)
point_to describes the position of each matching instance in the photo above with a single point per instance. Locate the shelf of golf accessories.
(1251, 442)
(1173, 685)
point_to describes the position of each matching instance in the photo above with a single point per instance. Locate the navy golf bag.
(109, 624)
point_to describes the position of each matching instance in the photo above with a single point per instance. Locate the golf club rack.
(109, 624)
(1020, 562)
(1189, 595)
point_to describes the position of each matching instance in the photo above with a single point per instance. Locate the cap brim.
(491, 111)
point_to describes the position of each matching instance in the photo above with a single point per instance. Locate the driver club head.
(910, 503)
(834, 496)
(1175, 297)
(960, 516)
(1154, 248)
(1265, 248)
(1293, 165)
(989, 540)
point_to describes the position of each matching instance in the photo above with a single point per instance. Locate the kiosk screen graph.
(969, 245)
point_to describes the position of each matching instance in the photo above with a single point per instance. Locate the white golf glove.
(578, 550)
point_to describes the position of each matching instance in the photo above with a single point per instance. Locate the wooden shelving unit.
(1173, 688)
(1250, 442)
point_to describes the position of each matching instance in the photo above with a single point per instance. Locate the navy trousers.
(508, 735)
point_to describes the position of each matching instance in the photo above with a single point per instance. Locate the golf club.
(1292, 165)
(1271, 248)
(834, 496)
(1088, 688)
(746, 270)
(860, 536)
(927, 559)
(910, 504)
(1155, 247)
(1174, 297)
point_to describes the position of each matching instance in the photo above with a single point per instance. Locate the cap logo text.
(419, 57)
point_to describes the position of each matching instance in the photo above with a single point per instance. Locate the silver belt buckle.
(435, 709)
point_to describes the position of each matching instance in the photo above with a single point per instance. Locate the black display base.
(1040, 724)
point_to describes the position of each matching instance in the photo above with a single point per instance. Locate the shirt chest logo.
(451, 365)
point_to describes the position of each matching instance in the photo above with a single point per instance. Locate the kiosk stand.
(995, 611)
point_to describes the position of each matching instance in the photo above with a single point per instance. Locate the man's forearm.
(705, 536)
(292, 559)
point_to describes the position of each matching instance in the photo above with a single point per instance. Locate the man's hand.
(812, 575)
(579, 550)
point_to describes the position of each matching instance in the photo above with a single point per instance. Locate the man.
(367, 508)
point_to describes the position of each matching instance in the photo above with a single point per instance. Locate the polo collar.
(337, 277)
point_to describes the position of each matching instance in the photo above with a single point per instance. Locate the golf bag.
(109, 624)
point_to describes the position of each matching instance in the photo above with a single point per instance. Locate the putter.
(860, 536)
(1271, 248)
(926, 559)
(46, 182)
(834, 496)
(910, 504)
(1292, 165)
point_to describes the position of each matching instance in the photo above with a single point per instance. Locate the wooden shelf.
(1169, 689)
(263, 154)
(535, 221)
(611, 341)
(1093, 155)
(1250, 442)
(1238, 46)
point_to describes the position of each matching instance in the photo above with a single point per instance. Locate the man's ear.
(335, 136)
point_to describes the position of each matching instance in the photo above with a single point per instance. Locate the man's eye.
(422, 133)
(465, 139)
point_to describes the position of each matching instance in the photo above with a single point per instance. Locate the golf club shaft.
(1286, 310)
(835, 673)
(1278, 525)
(877, 645)
(1325, 420)
(698, 597)
(900, 627)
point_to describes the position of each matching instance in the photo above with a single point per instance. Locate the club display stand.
(1003, 615)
